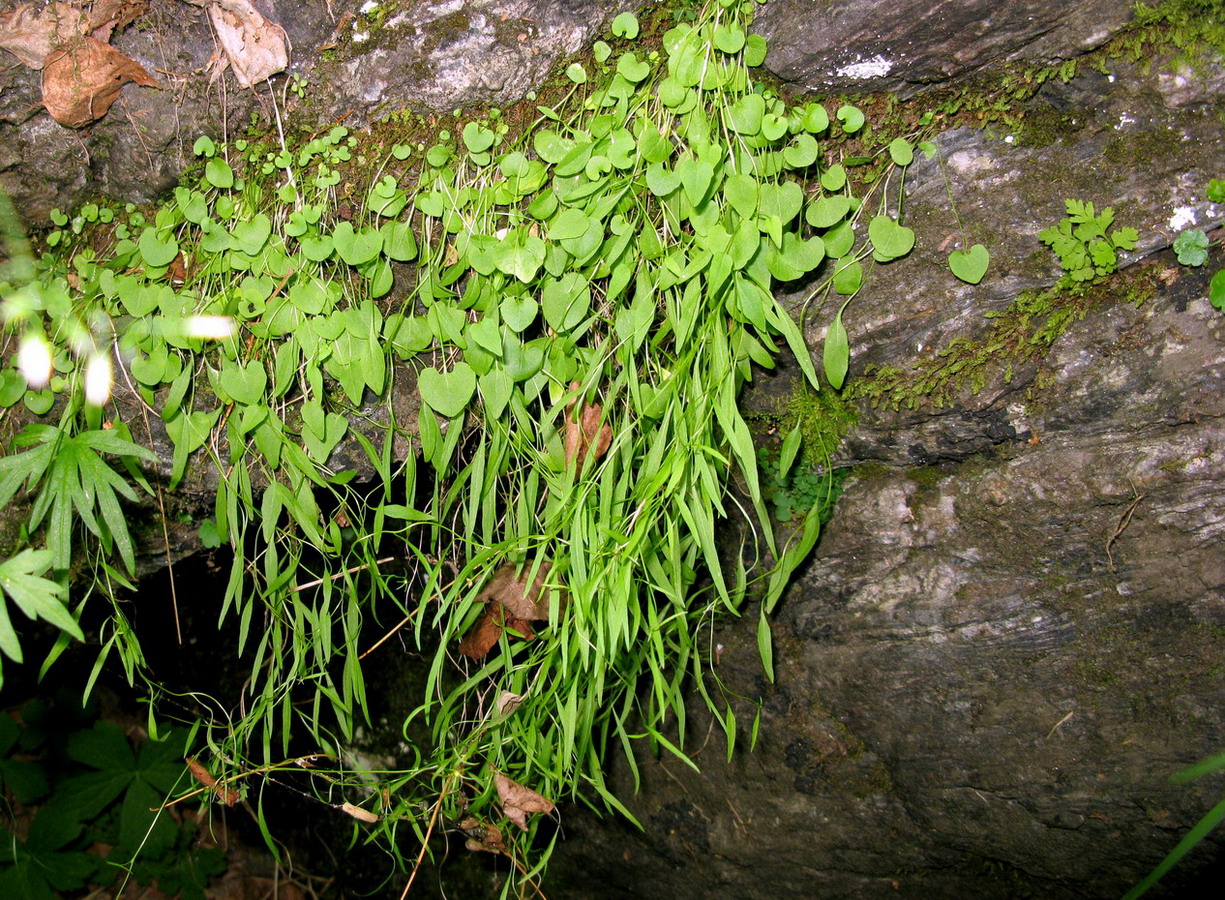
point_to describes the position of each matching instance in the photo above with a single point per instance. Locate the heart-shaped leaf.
(244, 383)
(157, 252)
(632, 69)
(971, 265)
(741, 192)
(889, 239)
(783, 200)
(496, 386)
(478, 138)
(696, 177)
(357, 247)
(836, 354)
(828, 211)
(447, 393)
(745, 114)
(250, 236)
(661, 180)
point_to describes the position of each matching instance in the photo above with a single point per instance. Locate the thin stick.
(387, 636)
(1124, 521)
(429, 831)
(319, 581)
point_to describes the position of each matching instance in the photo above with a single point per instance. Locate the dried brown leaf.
(83, 78)
(31, 34)
(227, 795)
(483, 636)
(518, 801)
(482, 835)
(255, 47)
(362, 815)
(508, 703)
(512, 591)
(586, 435)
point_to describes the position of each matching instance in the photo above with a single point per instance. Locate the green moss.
(1021, 334)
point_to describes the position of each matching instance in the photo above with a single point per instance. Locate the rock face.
(867, 45)
(436, 54)
(1010, 633)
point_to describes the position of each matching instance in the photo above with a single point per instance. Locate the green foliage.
(1198, 832)
(581, 302)
(1081, 241)
(82, 822)
(1191, 247)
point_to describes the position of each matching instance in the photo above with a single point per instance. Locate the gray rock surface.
(420, 54)
(866, 45)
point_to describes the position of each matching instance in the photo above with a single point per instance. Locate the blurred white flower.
(98, 379)
(215, 327)
(34, 360)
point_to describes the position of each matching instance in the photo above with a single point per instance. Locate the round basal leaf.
(745, 114)
(754, 50)
(1216, 290)
(565, 301)
(570, 223)
(157, 252)
(438, 155)
(478, 138)
(673, 94)
(848, 278)
(519, 312)
(399, 242)
(244, 383)
(218, 173)
(851, 118)
(828, 211)
(834, 178)
(514, 165)
(783, 199)
(601, 51)
(815, 118)
(773, 126)
(625, 26)
(971, 265)
(802, 152)
(901, 151)
(40, 402)
(485, 334)
(695, 176)
(632, 69)
(576, 73)
(401, 151)
(316, 248)
(836, 354)
(551, 146)
(729, 38)
(358, 247)
(889, 239)
(447, 393)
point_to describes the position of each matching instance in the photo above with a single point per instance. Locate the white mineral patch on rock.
(875, 67)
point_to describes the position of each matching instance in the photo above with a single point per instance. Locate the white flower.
(34, 360)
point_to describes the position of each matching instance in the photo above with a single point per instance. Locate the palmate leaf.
(39, 598)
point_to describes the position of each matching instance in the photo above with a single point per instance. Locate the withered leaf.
(31, 34)
(255, 47)
(362, 815)
(483, 636)
(518, 801)
(482, 835)
(586, 435)
(508, 703)
(83, 78)
(512, 591)
(227, 795)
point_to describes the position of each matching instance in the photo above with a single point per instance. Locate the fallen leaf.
(511, 590)
(31, 34)
(255, 47)
(227, 795)
(482, 835)
(82, 78)
(586, 435)
(518, 801)
(508, 703)
(363, 815)
(483, 636)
